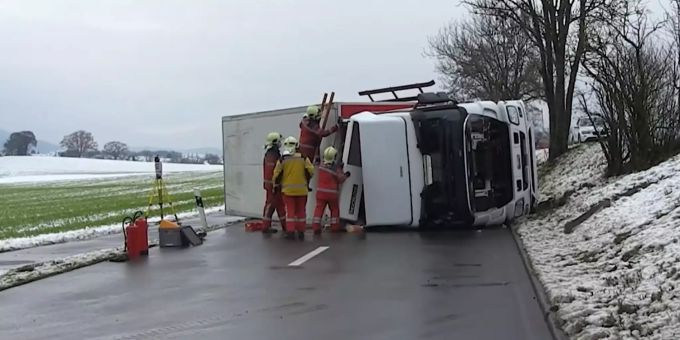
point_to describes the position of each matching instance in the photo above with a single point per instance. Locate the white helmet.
(329, 155)
(290, 144)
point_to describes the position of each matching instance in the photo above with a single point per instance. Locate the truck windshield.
(489, 162)
(440, 135)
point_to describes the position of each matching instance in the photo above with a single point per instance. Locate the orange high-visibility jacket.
(311, 134)
(293, 172)
(330, 178)
(268, 163)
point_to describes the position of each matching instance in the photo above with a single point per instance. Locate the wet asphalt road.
(402, 285)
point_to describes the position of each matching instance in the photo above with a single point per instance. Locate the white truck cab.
(439, 164)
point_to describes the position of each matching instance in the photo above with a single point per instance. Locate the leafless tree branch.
(487, 58)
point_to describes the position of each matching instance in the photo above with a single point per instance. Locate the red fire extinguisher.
(135, 232)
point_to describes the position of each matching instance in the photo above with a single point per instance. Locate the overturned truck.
(418, 161)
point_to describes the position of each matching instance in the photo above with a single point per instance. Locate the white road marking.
(308, 256)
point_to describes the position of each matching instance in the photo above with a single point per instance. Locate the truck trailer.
(424, 162)
(243, 140)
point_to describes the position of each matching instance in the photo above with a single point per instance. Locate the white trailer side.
(243, 141)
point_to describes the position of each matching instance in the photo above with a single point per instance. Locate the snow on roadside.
(582, 166)
(542, 156)
(29, 273)
(617, 275)
(81, 234)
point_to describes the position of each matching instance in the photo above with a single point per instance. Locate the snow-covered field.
(616, 274)
(72, 198)
(16, 169)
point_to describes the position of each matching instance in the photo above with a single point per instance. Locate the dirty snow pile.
(609, 257)
(542, 155)
(87, 233)
(32, 272)
(15, 169)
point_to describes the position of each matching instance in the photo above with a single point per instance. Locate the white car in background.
(573, 135)
(588, 130)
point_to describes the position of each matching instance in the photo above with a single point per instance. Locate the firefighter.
(330, 179)
(294, 172)
(274, 200)
(311, 132)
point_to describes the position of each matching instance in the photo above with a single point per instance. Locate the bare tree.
(486, 58)
(674, 28)
(116, 149)
(559, 30)
(635, 87)
(78, 143)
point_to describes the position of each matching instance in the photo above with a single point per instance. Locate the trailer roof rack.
(432, 98)
(394, 90)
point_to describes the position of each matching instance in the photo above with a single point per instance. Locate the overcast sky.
(163, 73)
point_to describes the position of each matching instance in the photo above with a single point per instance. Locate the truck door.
(352, 190)
(385, 170)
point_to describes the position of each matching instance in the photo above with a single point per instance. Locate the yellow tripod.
(160, 194)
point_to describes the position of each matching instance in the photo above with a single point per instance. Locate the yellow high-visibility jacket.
(293, 172)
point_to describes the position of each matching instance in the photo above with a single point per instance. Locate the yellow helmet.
(290, 144)
(313, 112)
(329, 155)
(273, 139)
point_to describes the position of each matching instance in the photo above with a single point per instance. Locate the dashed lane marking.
(308, 256)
